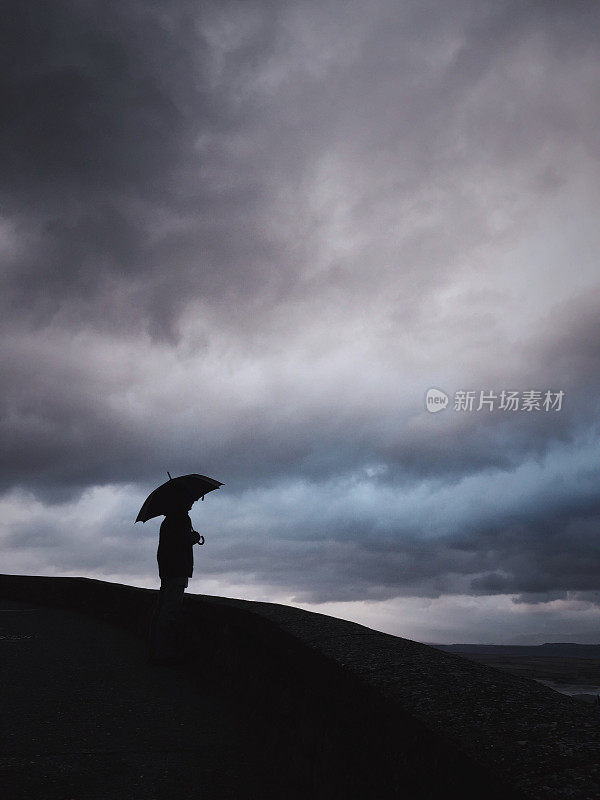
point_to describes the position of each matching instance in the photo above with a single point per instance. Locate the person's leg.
(153, 628)
(170, 602)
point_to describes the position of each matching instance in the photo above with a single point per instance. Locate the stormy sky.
(245, 238)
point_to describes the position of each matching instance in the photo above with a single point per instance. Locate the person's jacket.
(175, 555)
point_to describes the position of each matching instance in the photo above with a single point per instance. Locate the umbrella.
(174, 492)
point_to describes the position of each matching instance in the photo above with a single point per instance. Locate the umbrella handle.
(201, 539)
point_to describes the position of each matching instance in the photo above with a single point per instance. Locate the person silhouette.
(175, 567)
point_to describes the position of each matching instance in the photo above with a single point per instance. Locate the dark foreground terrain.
(84, 716)
(272, 701)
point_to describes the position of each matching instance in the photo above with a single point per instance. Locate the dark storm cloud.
(538, 545)
(86, 104)
(250, 236)
(120, 117)
(87, 124)
(103, 108)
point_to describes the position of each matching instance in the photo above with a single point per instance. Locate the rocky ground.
(84, 716)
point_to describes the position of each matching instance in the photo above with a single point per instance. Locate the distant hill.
(549, 649)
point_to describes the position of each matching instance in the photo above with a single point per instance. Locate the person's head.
(180, 504)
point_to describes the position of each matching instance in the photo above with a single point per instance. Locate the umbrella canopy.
(176, 491)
